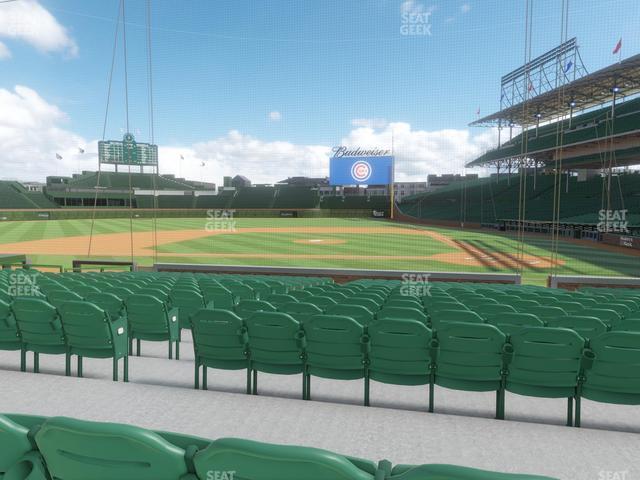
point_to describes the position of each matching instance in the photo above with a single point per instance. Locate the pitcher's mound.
(320, 241)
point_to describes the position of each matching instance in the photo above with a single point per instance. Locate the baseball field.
(314, 242)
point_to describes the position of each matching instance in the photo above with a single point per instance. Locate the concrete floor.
(160, 396)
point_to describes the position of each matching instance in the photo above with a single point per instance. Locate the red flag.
(618, 46)
(530, 86)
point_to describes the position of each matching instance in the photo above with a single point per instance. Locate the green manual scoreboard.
(127, 152)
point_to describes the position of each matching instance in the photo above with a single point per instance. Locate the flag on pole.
(202, 164)
(181, 157)
(478, 111)
(58, 156)
(617, 47)
(530, 87)
(81, 150)
(568, 66)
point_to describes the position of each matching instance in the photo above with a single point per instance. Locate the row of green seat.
(38, 448)
(534, 361)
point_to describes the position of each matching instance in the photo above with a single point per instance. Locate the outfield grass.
(381, 250)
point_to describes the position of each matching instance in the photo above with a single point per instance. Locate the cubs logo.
(361, 171)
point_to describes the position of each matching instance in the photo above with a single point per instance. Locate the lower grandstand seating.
(39, 448)
(14, 195)
(365, 329)
(487, 199)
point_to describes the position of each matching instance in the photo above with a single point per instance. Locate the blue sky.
(223, 66)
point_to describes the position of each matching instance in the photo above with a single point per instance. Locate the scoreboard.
(127, 152)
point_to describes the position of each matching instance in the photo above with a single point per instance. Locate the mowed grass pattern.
(383, 250)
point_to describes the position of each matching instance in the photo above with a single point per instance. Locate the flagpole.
(393, 162)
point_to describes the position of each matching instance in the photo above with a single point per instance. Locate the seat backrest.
(610, 317)
(109, 302)
(334, 342)
(274, 338)
(280, 298)
(8, 328)
(147, 314)
(614, 376)
(445, 305)
(367, 303)
(470, 352)
(58, 297)
(246, 308)
(546, 357)
(359, 313)
(587, 327)
(486, 310)
(321, 301)
(442, 317)
(85, 325)
(38, 322)
(301, 311)
(399, 348)
(219, 334)
(260, 461)
(454, 472)
(79, 450)
(544, 312)
(14, 441)
(627, 325)
(509, 323)
(402, 313)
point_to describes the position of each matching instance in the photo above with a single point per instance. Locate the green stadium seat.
(321, 301)
(220, 341)
(443, 317)
(486, 310)
(545, 313)
(80, 450)
(359, 313)
(608, 316)
(627, 325)
(614, 376)
(470, 358)
(90, 332)
(120, 292)
(277, 344)
(187, 302)
(151, 320)
(40, 329)
(221, 297)
(367, 303)
(300, 295)
(570, 307)
(277, 299)
(399, 353)
(402, 313)
(405, 302)
(58, 297)
(246, 308)
(523, 306)
(261, 461)
(510, 323)
(545, 362)
(301, 311)
(586, 327)
(9, 335)
(18, 458)
(335, 348)
(110, 303)
(83, 291)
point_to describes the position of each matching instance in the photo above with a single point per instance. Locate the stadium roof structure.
(583, 93)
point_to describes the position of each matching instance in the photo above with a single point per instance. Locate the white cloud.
(32, 131)
(369, 122)
(4, 52)
(414, 8)
(28, 21)
(465, 7)
(421, 152)
(275, 116)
